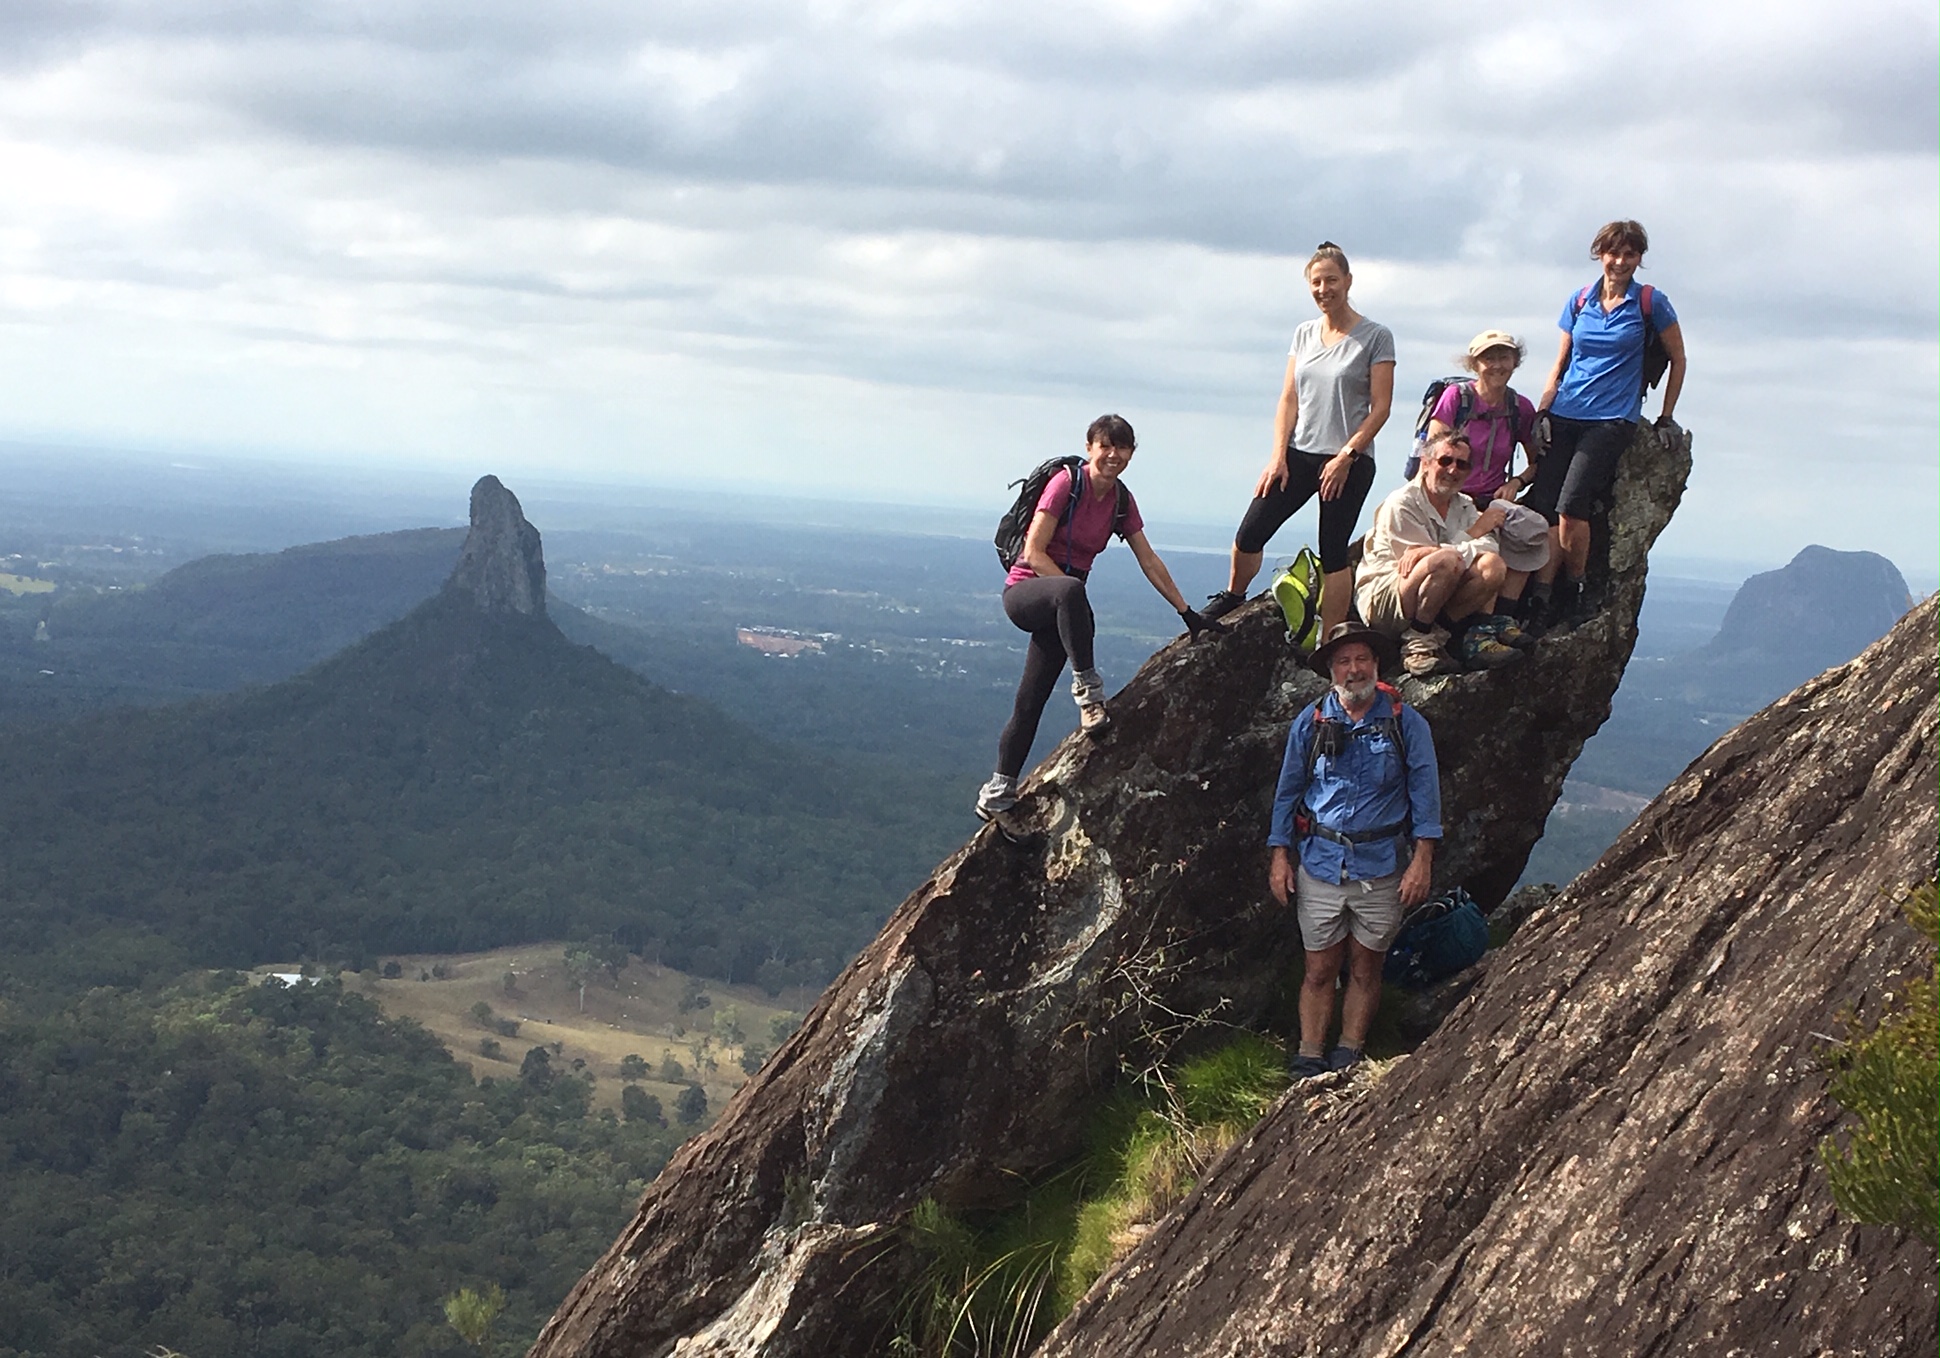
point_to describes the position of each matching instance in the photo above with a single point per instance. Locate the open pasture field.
(640, 1014)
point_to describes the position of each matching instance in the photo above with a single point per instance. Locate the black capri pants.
(1337, 517)
(1579, 467)
(1056, 611)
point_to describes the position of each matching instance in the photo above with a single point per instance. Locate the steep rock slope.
(1608, 1149)
(962, 1049)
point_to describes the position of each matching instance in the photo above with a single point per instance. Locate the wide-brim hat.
(1523, 538)
(1386, 652)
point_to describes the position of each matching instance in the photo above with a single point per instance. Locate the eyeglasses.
(1458, 464)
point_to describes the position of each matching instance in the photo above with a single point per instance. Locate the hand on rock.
(1195, 623)
(1669, 434)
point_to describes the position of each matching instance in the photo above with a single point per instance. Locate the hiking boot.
(1481, 650)
(1307, 1067)
(1220, 604)
(1343, 1058)
(1509, 633)
(996, 802)
(1089, 690)
(1426, 653)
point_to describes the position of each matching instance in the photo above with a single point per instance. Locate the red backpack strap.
(1582, 300)
(1643, 300)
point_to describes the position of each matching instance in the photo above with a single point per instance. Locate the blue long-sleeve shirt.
(1363, 788)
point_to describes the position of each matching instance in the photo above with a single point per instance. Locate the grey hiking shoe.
(996, 801)
(1426, 653)
(1088, 688)
(1343, 1058)
(1220, 604)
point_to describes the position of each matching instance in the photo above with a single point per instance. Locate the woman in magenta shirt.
(1044, 595)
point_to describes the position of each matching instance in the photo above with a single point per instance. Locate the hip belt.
(1352, 837)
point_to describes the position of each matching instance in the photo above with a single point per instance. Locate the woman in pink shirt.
(1496, 420)
(1044, 595)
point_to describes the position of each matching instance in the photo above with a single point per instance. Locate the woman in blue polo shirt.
(1594, 397)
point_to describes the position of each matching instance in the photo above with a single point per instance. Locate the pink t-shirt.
(1492, 436)
(1077, 542)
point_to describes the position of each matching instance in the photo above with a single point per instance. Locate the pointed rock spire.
(501, 569)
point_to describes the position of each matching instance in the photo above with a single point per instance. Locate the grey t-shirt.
(1333, 384)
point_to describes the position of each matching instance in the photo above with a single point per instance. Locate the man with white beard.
(1358, 784)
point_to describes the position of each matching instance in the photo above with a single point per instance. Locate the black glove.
(1196, 624)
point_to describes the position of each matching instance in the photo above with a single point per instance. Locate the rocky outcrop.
(1820, 609)
(959, 1053)
(501, 569)
(1609, 1148)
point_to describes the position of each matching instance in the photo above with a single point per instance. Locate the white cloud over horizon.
(853, 249)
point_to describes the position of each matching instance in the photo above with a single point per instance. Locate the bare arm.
(1285, 416)
(1420, 875)
(1674, 381)
(1155, 571)
(1555, 379)
(1279, 874)
(1037, 545)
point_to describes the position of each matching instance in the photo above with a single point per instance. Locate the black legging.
(1337, 517)
(1057, 614)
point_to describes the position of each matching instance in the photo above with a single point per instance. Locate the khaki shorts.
(1380, 605)
(1328, 910)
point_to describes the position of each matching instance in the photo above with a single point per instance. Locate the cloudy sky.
(903, 250)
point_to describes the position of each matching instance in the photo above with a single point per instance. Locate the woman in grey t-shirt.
(1338, 392)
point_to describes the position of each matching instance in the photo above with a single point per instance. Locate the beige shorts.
(1328, 910)
(1380, 604)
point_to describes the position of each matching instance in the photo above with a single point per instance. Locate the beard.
(1353, 695)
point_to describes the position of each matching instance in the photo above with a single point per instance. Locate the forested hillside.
(252, 1172)
(214, 624)
(456, 781)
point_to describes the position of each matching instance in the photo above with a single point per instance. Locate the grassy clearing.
(640, 1014)
(24, 584)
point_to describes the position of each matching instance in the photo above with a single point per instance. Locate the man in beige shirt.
(1430, 553)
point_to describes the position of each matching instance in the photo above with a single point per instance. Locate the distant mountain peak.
(501, 569)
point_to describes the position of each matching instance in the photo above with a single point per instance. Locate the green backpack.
(1297, 590)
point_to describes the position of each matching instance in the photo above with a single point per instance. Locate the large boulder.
(959, 1054)
(1609, 1148)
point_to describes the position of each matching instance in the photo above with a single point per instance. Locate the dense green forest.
(455, 781)
(259, 1172)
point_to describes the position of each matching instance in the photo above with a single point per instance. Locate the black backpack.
(1657, 359)
(1016, 523)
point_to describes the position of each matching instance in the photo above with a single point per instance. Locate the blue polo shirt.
(1365, 788)
(1605, 377)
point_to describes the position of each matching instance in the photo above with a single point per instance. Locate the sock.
(1417, 625)
(1352, 1047)
(1314, 1050)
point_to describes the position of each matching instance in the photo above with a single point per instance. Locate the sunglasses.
(1459, 464)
